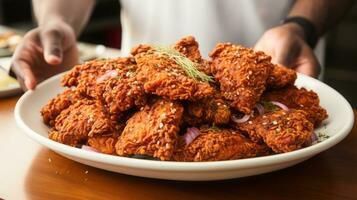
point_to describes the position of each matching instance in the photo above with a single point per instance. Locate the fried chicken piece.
(84, 119)
(104, 144)
(188, 46)
(164, 77)
(215, 145)
(152, 131)
(242, 74)
(281, 76)
(68, 139)
(213, 109)
(54, 107)
(283, 131)
(85, 75)
(113, 81)
(301, 99)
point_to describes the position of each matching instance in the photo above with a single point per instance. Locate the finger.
(286, 54)
(309, 64)
(52, 44)
(309, 68)
(24, 74)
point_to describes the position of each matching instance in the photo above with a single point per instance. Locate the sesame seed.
(86, 172)
(250, 122)
(275, 122)
(161, 125)
(49, 160)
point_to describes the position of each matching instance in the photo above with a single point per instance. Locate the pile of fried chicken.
(168, 103)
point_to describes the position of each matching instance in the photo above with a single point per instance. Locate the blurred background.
(105, 28)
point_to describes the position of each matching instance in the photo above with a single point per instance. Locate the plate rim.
(187, 166)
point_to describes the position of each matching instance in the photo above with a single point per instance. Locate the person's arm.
(287, 43)
(50, 48)
(322, 13)
(73, 12)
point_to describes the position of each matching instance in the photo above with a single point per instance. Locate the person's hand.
(44, 52)
(286, 45)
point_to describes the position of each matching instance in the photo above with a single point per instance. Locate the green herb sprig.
(189, 66)
(214, 127)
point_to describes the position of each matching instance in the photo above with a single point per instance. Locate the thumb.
(52, 46)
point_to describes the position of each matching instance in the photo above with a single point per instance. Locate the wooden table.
(30, 171)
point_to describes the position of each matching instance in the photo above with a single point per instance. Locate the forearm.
(322, 13)
(74, 12)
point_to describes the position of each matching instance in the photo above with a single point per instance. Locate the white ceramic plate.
(338, 125)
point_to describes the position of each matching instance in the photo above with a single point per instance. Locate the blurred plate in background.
(8, 85)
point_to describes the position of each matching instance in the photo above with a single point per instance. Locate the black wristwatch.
(310, 32)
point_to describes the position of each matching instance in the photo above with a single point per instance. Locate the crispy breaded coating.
(215, 145)
(140, 106)
(164, 77)
(85, 75)
(213, 109)
(152, 131)
(242, 74)
(188, 46)
(281, 76)
(85, 118)
(54, 107)
(283, 131)
(301, 99)
(104, 144)
(68, 139)
(112, 81)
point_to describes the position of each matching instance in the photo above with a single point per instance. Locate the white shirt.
(210, 21)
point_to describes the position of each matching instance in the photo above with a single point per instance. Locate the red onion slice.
(106, 75)
(191, 134)
(314, 138)
(241, 120)
(260, 108)
(282, 106)
(89, 148)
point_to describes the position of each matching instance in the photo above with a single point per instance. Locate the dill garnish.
(214, 127)
(322, 136)
(186, 64)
